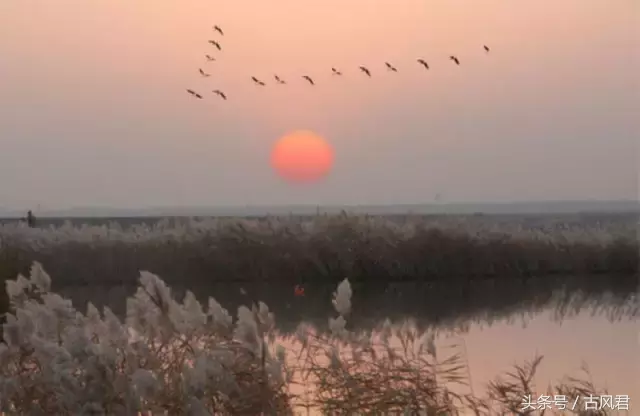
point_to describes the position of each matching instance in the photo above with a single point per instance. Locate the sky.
(93, 108)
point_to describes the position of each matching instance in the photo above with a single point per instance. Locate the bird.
(335, 71)
(210, 58)
(298, 290)
(486, 48)
(217, 29)
(279, 80)
(365, 70)
(216, 44)
(257, 81)
(220, 93)
(204, 74)
(423, 63)
(195, 94)
(391, 67)
(454, 59)
(308, 78)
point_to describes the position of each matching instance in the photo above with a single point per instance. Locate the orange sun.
(302, 156)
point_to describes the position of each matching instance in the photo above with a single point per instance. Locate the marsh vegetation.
(148, 351)
(183, 358)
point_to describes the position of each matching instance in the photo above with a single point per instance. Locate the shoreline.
(372, 251)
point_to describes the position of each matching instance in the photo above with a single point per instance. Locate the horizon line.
(433, 207)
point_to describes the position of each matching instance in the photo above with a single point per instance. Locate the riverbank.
(323, 250)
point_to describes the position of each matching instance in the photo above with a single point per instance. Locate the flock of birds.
(307, 78)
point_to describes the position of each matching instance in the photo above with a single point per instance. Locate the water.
(517, 208)
(616, 219)
(569, 323)
(610, 349)
(570, 320)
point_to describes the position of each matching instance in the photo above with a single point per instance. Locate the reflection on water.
(451, 303)
(570, 321)
(609, 350)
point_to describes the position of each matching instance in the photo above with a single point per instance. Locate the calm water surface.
(610, 351)
(593, 323)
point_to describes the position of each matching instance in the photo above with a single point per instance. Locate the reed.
(323, 249)
(185, 358)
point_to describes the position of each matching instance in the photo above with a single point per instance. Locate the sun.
(302, 156)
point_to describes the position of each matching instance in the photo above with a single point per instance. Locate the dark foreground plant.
(182, 359)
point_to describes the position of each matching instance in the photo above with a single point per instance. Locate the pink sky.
(94, 112)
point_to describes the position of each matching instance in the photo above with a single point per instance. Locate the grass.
(369, 250)
(181, 358)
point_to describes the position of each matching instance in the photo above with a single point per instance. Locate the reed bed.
(183, 358)
(547, 228)
(369, 249)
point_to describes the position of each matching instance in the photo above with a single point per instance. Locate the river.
(593, 322)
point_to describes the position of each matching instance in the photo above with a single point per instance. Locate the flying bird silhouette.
(217, 29)
(423, 63)
(220, 93)
(216, 44)
(204, 74)
(365, 70)
(454, 59)
(195, 94)
(390, 67)
(257, 81)
(308, 78)
(279, 80)
(210, 58)
(335, 71)
(486, 48)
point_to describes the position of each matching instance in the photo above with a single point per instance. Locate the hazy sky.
(93, 108)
